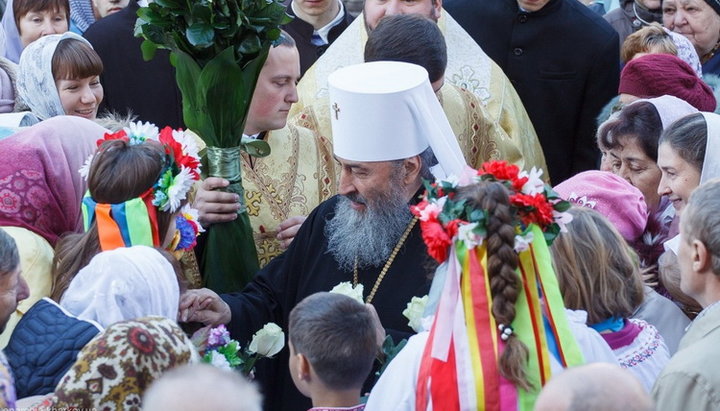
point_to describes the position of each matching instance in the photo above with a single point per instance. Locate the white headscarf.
(711, 162)
(35, 83)
(670, 109)
(124, 284)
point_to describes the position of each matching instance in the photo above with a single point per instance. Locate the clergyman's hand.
(288, 229)
(215, 206)
(204, 306)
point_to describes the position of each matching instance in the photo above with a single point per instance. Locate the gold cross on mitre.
(336, 109)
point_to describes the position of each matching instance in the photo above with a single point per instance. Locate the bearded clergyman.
(390, 134)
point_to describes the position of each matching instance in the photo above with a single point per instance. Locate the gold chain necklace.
(388, 263)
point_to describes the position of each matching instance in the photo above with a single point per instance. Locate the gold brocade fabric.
(492, 103)
(294, 179)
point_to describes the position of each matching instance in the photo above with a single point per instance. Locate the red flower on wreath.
(119, 135)
(436, 239)
(502, 170)
(174, 148)
(533, 209)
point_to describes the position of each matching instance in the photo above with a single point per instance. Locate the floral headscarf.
(40, 187)
(113, 371)
(35, 83)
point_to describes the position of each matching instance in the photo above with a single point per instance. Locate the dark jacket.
(305, 268)
(630, 17)
(44, 345)
(147, 88)
(302, 32)
(562, 60)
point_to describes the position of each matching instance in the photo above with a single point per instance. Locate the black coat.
(147, 88)
(302, 32)
(563, 62)
(306, 268)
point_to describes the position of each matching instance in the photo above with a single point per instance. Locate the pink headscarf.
(40, 187)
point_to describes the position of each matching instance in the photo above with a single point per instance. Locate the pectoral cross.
(336, 109)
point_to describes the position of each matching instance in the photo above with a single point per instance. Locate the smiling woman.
(59, 74)
(699, 21)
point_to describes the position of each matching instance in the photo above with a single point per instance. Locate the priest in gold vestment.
(492, 104)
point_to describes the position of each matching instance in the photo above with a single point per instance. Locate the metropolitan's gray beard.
(369, 235)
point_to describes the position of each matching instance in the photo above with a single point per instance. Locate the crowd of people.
(491, 205)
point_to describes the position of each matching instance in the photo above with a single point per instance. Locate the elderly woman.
(25, 21)
(699, 21)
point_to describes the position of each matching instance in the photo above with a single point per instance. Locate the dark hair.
(502, 261)
(688, 137)
(640, 121)
(119, 172)
(337, 336)
(9, 256)
(23, 7)
(410, 38)
(75, 59)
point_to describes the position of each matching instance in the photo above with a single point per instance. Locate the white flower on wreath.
(414, 312)
(535, 184)
(138, 132)
(468, 236)
(268, 341)
(178, 190)
(562, 219)
(346, 288)
(188, 143)
(192, 214)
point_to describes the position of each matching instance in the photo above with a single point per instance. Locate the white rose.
(414, 312)
(219, 360)
(268, 341)
(347, 289)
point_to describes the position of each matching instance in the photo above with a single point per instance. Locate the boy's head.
(332, 342)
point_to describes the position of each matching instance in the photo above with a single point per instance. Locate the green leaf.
(148, 49)
(200, 34)
(250, 45)
(256, 148)
(562, 206)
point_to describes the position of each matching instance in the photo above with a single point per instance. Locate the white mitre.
(384, 111)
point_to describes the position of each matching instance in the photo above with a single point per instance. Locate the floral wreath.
(443, 220)
(125, 224)
(182, 161)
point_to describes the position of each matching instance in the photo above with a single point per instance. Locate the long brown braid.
(502, 262)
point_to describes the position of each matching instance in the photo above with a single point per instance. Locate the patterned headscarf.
(35, 83)
(40, 187)
(113, 371)
(81, 13)
(123, 284)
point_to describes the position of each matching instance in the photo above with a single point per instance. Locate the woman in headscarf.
(629, 142)
(118, 285)
(60, 74)
(699, 21)
(40, 195)
(114, 370)
(25, 21)
(123, 284)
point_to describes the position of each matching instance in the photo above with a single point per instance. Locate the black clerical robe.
(306, 268)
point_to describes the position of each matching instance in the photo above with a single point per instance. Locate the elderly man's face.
(374, 10)
(13, 289)
(367, 184)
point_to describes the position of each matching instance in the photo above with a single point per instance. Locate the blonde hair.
(649, 39)
(597, 271)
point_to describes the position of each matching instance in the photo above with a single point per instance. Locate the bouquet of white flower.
(217, 348)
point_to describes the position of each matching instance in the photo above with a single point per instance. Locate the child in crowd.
(333, 343)
(598, 272)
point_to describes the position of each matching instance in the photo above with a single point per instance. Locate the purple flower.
(218, 337)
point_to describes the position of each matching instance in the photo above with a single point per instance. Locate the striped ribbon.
(459, 369)
(133, 222)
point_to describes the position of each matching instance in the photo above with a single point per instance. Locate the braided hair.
(502, 263)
